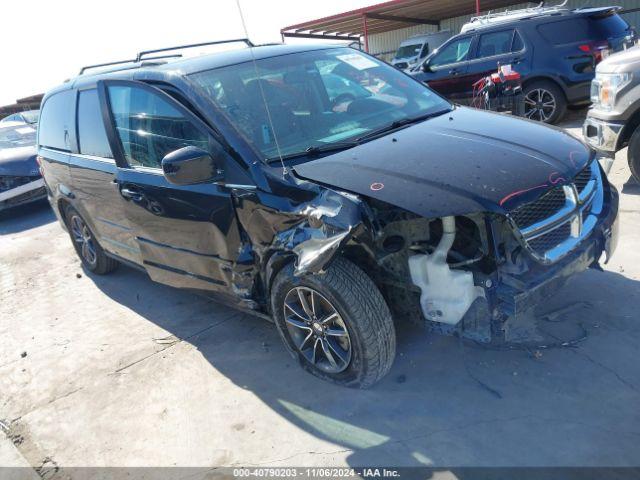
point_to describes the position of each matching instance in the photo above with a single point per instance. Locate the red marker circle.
(377, 186)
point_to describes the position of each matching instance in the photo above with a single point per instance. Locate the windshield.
(408, 50)
(315, 99)
(19, 136)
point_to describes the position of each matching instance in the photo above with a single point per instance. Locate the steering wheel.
(342, 98)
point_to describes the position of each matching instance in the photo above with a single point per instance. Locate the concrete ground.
(120, 371)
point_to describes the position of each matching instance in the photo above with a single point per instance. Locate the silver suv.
(613, 121)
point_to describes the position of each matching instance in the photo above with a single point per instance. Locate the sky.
(52, 39)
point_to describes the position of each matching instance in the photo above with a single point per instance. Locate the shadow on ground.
(631, 187)
(443, 403)
(25, 217)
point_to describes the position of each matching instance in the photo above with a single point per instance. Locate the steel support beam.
(395, 18)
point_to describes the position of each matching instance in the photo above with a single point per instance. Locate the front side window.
(456, 51)
(290, 103)
(92, 138)
(496, 43)
(149, 127)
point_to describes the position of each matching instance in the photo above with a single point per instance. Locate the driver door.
(449, 70)
(188, 235)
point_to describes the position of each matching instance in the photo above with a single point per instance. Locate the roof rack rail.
(491, 17)
(98, 65)
(193, 45)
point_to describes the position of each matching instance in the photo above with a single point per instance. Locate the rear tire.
(544, 101)
(633, 155)
(87, 247)
(361, 337)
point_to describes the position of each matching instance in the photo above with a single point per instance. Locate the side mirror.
(190, 165)
(426, 67)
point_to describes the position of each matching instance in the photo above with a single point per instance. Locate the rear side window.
(584, 29)
(92, 138)
(56, 121)
(149, 127)
(496, 43)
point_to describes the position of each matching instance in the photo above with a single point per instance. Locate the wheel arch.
(353, 251)
(629, 128)
(545, 78)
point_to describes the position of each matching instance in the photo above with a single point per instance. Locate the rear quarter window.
(56, 121)
(92, 138)
(583, 29)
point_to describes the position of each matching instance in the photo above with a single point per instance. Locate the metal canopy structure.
(387, 16)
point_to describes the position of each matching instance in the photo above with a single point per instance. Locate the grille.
(583, 178)
(549, 240)
(540, 209)
(7, 182)
(546, 223)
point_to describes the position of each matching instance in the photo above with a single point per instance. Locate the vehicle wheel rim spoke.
(296, 313)
(330, 318)
(322, 338)
(337, 351)
(297, 323)
(327, 353)
(335, 332)
(306, 339)
(305, 304)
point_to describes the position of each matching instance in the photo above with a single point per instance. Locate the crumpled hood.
(463, 162)
(19, 161)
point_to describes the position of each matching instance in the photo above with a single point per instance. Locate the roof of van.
(420, 36)
(189, 65)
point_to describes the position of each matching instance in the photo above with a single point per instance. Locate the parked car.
(233, 174)
(20, 179)
(415, 49)
(555, 50)
(28, 116)
(613, 122)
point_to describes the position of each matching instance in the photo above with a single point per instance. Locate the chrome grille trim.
(580, 214)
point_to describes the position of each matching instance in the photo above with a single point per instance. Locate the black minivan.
(555, 50)
(253, 176)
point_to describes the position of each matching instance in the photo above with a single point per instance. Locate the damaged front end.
(479, 275)
(483, 275)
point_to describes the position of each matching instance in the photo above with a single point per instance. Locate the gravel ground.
(120, 371)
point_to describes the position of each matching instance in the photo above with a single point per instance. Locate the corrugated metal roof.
(390, 15)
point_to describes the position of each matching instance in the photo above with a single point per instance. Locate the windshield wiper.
(314, 150)
(403, 122)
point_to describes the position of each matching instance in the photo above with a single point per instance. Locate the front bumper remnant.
(602, 135)
(23, 194)
(516, 298)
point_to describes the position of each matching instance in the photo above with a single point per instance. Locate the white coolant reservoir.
(446, 294)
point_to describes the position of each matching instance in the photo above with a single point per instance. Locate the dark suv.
(252, 176)
(554, 49)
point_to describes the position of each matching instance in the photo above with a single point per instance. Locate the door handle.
(131, 194)
(454, 71)
(516, 60)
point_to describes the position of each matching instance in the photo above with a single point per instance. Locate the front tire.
(633, 155)
(544, 102)
(87, 247)
(336, 324)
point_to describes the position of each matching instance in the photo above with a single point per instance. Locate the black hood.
(19, 162)
(461, 162)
